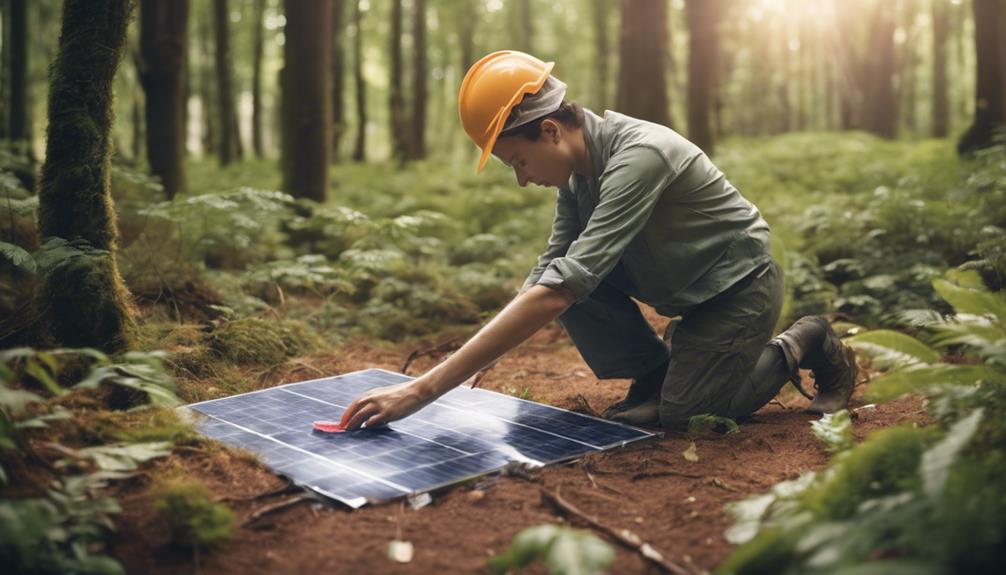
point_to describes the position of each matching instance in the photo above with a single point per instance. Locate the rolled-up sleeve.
(629, 188)
(565, 229)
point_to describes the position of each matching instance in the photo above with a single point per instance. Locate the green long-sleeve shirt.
(659, 206)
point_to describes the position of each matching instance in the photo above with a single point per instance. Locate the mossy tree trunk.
(307, 98)
(163, 64)
(81, 299)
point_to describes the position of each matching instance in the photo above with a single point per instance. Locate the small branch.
(624, 537)
(274, 507)
(665, 473)
(449, 345)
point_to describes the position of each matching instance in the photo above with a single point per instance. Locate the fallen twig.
(274, 507)
(443, 347)
(665, 473)
(623, 536)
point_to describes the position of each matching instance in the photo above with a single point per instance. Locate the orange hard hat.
(490, 90)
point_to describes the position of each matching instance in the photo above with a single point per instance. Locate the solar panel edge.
(594, 418)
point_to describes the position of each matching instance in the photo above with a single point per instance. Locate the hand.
(383, 405)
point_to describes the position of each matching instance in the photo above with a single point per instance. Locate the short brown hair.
(569, 114)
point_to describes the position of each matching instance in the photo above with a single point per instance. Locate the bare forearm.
(525, 315)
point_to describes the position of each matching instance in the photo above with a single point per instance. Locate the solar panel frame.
(308, 462)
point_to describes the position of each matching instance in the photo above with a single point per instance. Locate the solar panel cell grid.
(465, 433)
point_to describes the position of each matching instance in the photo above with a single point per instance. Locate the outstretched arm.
(520, 319)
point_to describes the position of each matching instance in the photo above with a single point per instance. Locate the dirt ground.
(675, 505)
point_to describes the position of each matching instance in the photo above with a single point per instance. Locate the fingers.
(348, 414)
(374, 421)
(362, 414)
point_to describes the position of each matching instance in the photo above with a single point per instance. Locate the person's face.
(545, 161)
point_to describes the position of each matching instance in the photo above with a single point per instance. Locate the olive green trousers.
(721, 361)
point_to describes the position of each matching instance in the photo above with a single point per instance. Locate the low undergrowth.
(907, 499)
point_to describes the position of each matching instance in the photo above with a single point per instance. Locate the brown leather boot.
(811, 343)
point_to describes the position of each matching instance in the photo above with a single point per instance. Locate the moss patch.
(263, 342)
(196, 522)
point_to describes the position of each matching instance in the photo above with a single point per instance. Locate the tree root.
(623, 537)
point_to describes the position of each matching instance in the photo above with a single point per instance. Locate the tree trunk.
(163, 61)
(642, 90)
(524, 23)
(941, 91)
(990, 93)
(702, 64)
(82, 300)
(307, 98)
(207, 106)
(417, 139)
(20, 118)
(225, 93)
(880, 116)
(849, 66)
(138, 132)
(467, 20)
(338, 66)
(908, 63)
(257, 49)
(396, 99)
(601, 15)
(360, 147)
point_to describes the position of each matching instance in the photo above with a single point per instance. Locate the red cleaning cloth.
(329, 426)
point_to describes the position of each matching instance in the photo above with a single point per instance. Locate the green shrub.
(196, 522)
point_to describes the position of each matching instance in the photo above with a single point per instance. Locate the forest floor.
(675, 505)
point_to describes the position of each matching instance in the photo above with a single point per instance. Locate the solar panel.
(464, 434)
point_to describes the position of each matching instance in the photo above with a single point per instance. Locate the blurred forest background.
(196, 194)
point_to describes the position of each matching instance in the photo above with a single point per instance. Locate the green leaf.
(835, 430)
(18, 256)
(938, 459)
(564, 550)
(894, 346)
(920, 378)
(971, 301)
(575, 552)
(16, 400)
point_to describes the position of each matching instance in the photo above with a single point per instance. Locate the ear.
(552, 130)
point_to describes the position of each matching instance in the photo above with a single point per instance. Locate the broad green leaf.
(835, 430)
(40, 373)
(15, 400)
(575, 552)
(973, 301)
(18, 256)
(938, 459)
(894, 346)
(919, 378)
